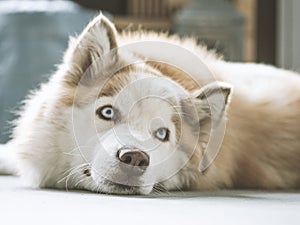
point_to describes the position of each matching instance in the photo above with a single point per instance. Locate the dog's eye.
(106, 112)
(162, 134)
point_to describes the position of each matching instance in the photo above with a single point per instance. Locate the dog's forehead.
(148, 92)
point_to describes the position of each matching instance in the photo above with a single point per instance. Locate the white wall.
(289, 34)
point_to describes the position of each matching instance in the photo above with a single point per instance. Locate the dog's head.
(132, 126)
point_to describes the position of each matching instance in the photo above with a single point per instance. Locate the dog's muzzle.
(133, 162)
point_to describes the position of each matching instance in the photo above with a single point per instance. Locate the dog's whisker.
(76, 167)
(86, 185)
(82, 179)
(69, 176)
(180, 190)
(157, 190)
(98, 189)
(71, 154)
(71, 172)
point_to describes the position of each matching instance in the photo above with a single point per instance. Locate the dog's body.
(56, 145)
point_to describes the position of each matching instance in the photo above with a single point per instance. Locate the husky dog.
(146, 117)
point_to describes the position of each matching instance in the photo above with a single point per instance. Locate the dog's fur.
(59, 141)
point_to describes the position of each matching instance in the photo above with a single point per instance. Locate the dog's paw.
(7, 161)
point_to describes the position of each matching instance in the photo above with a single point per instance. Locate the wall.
(289, 34)
(248, 8)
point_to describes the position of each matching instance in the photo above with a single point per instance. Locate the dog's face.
(132, 137)
(136, 127)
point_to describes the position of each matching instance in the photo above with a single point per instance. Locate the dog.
(137, 112)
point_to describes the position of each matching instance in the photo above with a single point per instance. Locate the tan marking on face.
(115, 84)
(121, 78)
(67, 98)
(175, 74)
(72, 78)
(177, 122)
(112, 86)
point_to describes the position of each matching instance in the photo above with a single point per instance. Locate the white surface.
(20, 205)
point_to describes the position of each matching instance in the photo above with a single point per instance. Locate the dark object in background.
(33, 37)
(266, 31)
(113, 6)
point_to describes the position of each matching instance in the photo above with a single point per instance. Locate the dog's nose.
(136, 161)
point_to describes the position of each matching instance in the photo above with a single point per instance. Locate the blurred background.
(34, 34)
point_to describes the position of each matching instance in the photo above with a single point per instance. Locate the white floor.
(20, 205)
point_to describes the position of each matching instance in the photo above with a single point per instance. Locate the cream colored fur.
(260, 147)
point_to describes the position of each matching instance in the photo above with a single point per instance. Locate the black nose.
(134, 161)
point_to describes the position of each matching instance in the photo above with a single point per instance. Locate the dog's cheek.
(164, 162)
(103, 159)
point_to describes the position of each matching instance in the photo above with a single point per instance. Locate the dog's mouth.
(109, 187)
(123, 189)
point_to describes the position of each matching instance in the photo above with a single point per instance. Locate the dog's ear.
(95, 41)
(211, 101)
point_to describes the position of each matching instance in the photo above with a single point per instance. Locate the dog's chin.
(109, 187)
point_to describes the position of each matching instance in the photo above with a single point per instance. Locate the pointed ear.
(212, 100)
(97, 39)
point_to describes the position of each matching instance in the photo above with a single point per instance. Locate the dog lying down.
(136, 112)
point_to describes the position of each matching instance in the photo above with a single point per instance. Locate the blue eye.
(162, 134)
(106, 112)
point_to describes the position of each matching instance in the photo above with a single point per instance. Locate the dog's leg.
(8, 164)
